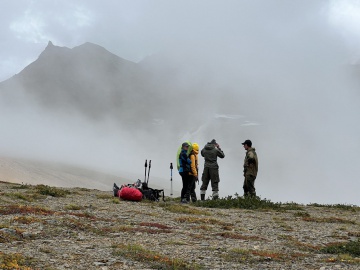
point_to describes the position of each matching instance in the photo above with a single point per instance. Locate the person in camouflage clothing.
(211, 152)
(250, 169)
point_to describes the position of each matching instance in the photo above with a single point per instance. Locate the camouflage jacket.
(251, 162)
(211, 153)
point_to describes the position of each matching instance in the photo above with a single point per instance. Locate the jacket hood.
(209, 146)
(251, 149)
(196, 152)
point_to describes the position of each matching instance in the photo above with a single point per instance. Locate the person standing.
(211, 152)
(184, 171)
(194, 170)
(250, 169)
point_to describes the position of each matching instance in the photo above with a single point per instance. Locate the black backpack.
(152, 194)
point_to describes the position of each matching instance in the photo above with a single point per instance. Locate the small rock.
(27, 235)
(99, 264)
(8, 231)
(338, 266)
(322, 268)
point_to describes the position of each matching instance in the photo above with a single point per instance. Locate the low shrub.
(154, 260)
(352, 248)
(177, 208)
(348, 207)
(247, 203)
(51, 191)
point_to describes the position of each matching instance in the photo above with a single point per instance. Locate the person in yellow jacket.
(194, 172)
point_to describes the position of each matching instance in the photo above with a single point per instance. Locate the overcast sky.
(295, 58)
(134, 29)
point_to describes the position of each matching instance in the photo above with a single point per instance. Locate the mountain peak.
(50, 46)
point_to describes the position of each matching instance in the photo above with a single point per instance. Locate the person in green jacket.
(250, 169)
(211, 152)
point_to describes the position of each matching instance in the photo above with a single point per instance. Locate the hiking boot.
(202, 197)
(184, 201)
(215, 198)
(115, 189)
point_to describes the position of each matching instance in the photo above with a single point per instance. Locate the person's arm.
(185, 158)
(251, 158)
(220, 152)
(193, 165)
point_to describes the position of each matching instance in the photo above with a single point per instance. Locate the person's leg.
(188, 187)
(251, 185)
(205, 182)
(245, 187)
(192, 189)
(184, 186)
(215, 179)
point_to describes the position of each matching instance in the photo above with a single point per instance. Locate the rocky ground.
(75, 228)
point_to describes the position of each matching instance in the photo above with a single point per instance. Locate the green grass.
(152, 259)
(253, 256)
(73, 207)
(51, 191)
(301, 214)
(201, 220)
(21, 186)
(247, 203)
(25, 196)
(104, 196)
(328, 220)
(182, 209)
(351, 248)
(347, 207)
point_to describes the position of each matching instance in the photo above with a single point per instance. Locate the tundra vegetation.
(43, 227)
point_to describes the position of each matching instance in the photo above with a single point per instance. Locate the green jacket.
(251, 163)
(211, 153)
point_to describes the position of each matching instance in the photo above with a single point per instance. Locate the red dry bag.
(130, 194)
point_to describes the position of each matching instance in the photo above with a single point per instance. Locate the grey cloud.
(278, 63)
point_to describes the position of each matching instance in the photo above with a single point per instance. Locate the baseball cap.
(247, 142)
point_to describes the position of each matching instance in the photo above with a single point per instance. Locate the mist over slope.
(88, 107)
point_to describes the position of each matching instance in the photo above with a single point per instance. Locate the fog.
(283, 74)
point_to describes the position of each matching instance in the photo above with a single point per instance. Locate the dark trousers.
(249, 185)
(192, 189)
(186, 180)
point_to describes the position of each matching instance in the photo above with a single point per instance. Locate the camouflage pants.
(213, 175)
(249, 185)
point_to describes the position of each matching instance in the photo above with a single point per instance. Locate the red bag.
(130, 194)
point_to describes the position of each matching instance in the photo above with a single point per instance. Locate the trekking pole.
(145, 170)
(148, 172)
(171, 188)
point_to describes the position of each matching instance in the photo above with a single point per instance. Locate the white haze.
(281, 73)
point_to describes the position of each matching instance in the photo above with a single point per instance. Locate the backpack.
(152, 194)
(179, 151)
